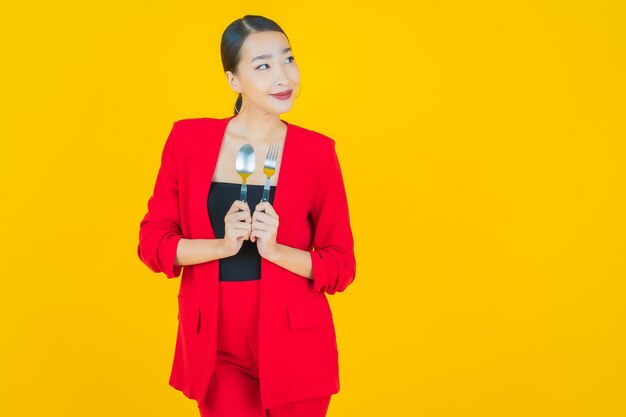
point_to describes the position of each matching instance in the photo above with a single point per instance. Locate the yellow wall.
(482, 145)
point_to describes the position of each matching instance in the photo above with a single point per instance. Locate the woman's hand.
(236, 230)
(265, 228)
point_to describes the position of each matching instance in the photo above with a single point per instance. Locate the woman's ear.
(233, 82)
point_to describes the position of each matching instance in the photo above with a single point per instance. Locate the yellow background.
(482, 145)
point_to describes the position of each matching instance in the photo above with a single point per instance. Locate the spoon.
(245, 164)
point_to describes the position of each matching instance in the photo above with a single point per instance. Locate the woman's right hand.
(237, 227)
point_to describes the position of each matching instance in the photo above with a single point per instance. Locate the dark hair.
(233, 38)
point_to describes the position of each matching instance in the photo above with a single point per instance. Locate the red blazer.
(298, 355)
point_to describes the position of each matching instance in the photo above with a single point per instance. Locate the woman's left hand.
(265, 227)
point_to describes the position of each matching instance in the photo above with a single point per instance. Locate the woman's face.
(266, 67)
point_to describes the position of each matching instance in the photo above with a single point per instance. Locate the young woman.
(256, 335)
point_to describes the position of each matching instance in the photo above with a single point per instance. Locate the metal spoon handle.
(244, 192)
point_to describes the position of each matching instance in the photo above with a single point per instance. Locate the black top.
(246, 264)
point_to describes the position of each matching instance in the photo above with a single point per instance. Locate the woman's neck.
(257, 128)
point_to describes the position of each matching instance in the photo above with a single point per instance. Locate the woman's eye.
(290, 57)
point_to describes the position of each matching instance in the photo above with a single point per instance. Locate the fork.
(269, 168)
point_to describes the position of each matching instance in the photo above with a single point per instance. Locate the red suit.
(298, 356)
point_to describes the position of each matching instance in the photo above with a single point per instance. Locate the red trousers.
(234, 388)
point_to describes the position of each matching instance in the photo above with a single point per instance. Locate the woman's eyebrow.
(266, 56)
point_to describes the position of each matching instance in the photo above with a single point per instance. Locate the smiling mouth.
(282, 94)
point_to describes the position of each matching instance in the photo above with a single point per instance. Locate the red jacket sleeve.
(334, 263)
(159, 230)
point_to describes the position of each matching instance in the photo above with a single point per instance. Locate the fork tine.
(271, 157)
(268, 156)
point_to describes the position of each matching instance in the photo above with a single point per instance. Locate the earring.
(235, 101)
(299, 90)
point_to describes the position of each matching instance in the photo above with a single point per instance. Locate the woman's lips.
(282, 96)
